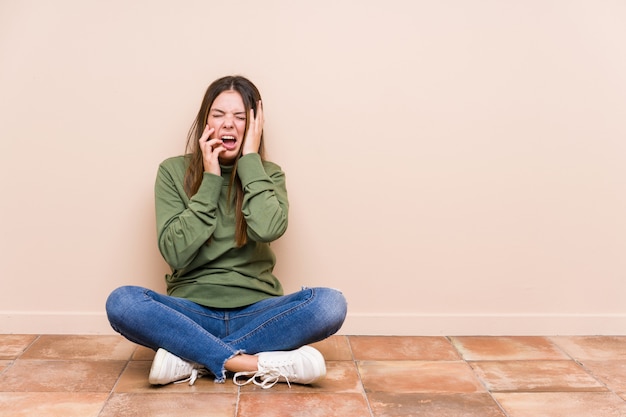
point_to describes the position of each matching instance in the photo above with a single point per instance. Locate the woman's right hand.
(211, 150)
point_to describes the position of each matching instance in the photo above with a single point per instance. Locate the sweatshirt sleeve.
(184, 225)
(265, 203)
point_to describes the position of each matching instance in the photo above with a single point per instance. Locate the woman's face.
(228, 117)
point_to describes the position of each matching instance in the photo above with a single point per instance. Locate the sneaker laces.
(268, 378)
(195, 374)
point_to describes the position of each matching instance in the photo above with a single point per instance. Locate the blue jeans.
(210, 336)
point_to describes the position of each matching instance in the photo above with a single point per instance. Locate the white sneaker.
(167, 368)
(301, 366)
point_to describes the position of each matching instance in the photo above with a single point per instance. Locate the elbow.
(175, 262)
(267, 234)
(173, 257)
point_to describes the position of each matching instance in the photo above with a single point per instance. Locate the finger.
(253, 120)
(206, 133)
(259, 119)
(209, 147)
(214, 143)
(259, 113)
(217, 151)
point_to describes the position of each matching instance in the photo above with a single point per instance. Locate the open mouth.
(229, 142)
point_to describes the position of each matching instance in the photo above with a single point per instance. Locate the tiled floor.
(105, 376)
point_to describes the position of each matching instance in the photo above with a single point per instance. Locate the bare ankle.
(242, 363)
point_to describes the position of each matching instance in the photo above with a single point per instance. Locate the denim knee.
(333, 306)
(119, 301)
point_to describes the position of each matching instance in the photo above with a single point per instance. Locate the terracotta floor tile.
(433, 405)
(335, 348)
(143, 353)
(611, 373)
(341, 377)
(80, 348)
(12, 345)
(70, 375)
(388, 348)
(418, 376)
(562, 404)
(4, 364)
(167, 405)
(134, 379)
(302, 405)
(484, 348)
(527, 376)
(593, 347)
(51, 404)
(61, 376)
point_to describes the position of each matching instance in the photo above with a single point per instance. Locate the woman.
(217, 209)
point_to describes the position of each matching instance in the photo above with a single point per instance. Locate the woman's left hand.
(252, 141)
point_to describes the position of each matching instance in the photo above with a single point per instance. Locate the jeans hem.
(222, 379)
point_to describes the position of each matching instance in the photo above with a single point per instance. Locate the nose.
(229, 121)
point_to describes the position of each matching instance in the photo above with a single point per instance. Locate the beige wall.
(455, 167)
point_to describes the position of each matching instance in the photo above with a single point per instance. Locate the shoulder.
(175, 164)
(252, 165)
(175, 161)
(272, 168)
(172, 170)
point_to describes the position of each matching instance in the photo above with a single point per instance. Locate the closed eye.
(218, 113)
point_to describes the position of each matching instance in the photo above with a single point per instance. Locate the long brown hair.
(193, 176)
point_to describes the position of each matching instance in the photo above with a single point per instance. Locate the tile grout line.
(590, 364)
(117, 380)
(14, 360)
(583, 367)
(358, 372)
(567, 358)
(27, 347)
(237, 399)
(504, 413)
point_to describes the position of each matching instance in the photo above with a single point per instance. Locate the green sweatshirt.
(196, 235)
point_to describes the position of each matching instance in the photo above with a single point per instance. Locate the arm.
(184, 225)
(265, 203)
